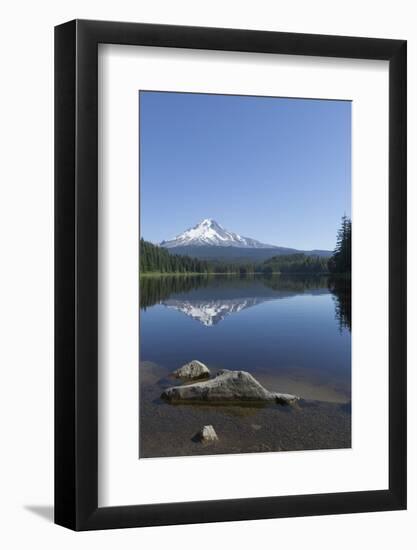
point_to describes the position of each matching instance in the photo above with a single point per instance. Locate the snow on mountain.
(210, 233)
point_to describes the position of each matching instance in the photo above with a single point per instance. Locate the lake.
(292, 333)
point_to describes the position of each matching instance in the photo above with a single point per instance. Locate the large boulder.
(192, 371)
(226, 386)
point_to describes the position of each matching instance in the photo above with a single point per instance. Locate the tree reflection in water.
(341, 288)
(157, 289)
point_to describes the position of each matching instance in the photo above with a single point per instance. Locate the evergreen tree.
(341, 260)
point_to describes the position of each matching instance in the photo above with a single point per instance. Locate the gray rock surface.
(226, 386)
(207, 434)
(192, 371)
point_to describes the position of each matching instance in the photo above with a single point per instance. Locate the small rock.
(192, 371)
(207, 434)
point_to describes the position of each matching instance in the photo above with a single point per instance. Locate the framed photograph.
(230, 252)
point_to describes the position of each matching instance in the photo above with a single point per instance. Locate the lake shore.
(169, 430)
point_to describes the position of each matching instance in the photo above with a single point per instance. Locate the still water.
(291, 332)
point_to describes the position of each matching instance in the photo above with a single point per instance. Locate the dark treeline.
(341, 260)
(294, 263)
(155, 259)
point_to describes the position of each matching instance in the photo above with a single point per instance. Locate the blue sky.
(274, 169)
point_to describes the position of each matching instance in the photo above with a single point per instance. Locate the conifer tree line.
(341, 259)
(156, 259)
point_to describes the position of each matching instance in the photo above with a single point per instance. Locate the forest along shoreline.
(156, 260)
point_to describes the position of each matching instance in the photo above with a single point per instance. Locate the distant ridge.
(235, 255)
(208, 240)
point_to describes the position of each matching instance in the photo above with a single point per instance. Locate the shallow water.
(291, 333)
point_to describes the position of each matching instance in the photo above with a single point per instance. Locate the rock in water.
(227, 386)
(192, 371)
(207, 434)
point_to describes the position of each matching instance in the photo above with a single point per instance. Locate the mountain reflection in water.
(210, 299)
(211, 312)
(291, 333)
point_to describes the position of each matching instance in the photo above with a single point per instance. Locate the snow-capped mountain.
(210, 233)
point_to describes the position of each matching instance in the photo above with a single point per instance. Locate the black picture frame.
(76, 272)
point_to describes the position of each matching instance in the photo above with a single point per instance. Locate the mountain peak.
(208, 222)
(210, 233)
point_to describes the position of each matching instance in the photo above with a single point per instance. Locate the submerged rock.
(226, 386)
(207, 434)
(192, 371)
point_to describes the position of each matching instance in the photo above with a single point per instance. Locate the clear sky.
(274, 169)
